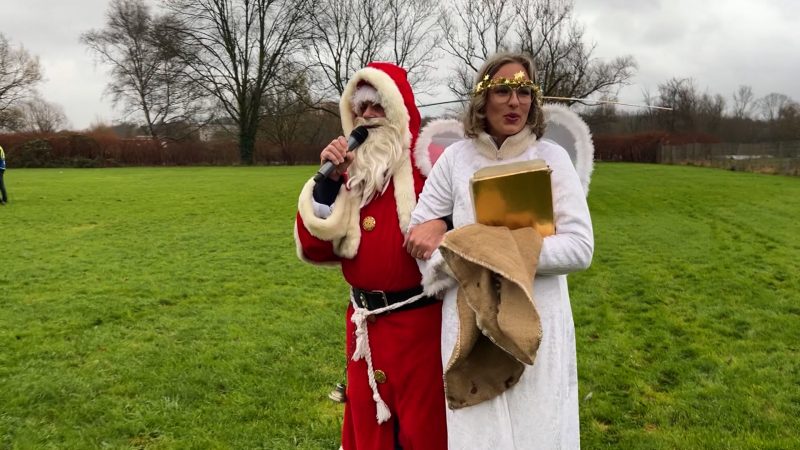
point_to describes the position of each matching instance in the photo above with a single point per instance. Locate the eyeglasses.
(503, 92)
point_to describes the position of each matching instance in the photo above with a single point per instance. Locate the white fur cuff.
(333, 226)
(436, 276)
(340, 227)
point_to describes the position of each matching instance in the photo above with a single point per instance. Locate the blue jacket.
(2, 159)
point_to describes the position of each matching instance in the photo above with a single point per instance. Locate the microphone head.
(359, 134)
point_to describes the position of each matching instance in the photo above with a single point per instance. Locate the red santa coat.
(404, 344)
(380, 262)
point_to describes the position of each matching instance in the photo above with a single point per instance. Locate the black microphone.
(357, 137)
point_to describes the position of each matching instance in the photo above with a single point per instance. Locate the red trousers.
(406, 346)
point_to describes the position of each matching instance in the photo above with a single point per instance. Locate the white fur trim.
(404, 195)
(299, 248)
(341, 227)
(512, 147)
(391, 100)
(559, 120)
(435, 276)
(422, 156)
(348, 245)
(364, 93)
(327, 229)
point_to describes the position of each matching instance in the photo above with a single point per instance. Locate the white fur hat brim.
(364, 94)
(390, 98)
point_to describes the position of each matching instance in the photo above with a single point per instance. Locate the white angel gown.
(541, 411)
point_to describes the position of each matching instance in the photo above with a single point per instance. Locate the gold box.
(514, 195)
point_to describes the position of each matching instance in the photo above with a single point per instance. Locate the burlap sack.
(499, 327)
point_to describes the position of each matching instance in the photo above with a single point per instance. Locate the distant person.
(4, 198)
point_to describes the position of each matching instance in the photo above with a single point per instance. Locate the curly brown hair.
(474, 119)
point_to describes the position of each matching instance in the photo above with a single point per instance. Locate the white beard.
(375, 160)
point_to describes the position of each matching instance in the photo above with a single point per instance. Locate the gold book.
(514, 195)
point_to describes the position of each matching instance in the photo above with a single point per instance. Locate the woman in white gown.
(502, 123)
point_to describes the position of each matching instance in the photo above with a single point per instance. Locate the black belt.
(372, 300)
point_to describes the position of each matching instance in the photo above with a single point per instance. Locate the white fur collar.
(404, 194)
(512, 146)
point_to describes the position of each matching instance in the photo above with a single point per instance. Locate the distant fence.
(641, 147)
(774, 157)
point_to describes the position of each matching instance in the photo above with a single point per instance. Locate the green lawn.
(165, 308)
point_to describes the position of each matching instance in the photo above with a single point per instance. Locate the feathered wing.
(567, 129)
(563, 126)
(433, 139)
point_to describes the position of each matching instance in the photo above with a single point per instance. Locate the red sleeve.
(314, 249)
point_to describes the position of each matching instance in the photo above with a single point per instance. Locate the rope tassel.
(359, 318)
(383, 411)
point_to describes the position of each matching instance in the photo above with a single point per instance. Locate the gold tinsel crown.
(519, 80)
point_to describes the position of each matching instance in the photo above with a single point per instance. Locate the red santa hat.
(388, 84)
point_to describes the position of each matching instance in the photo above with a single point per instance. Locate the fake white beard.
(375, 160)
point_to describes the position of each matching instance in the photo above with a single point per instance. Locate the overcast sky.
(721, 44)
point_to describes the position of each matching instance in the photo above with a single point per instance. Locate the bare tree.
(679, 94)
(283, 111)
(601, 114)
(412, 37)
(710, 112)
(19, 74)
(543, 29)
(147, 76)
(772, 104)
(235, 49)
(691, 110)
(345, 35)
(472, 30)
(42, 116)
(787, 127)
(333, 45)
(12, 119)
(566, 66)
(743, 102)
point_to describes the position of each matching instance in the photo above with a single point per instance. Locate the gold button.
(368, 224)
(380, 376)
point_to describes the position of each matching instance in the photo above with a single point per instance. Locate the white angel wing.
(563, 126)
(567, 129)
(433, 139)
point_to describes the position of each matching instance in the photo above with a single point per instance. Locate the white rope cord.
(359, 318)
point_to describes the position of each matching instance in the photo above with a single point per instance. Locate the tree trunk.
(247, 143)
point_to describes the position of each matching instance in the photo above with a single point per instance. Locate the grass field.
(165, 308)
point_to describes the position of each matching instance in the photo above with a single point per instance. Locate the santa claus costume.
(395, 391)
